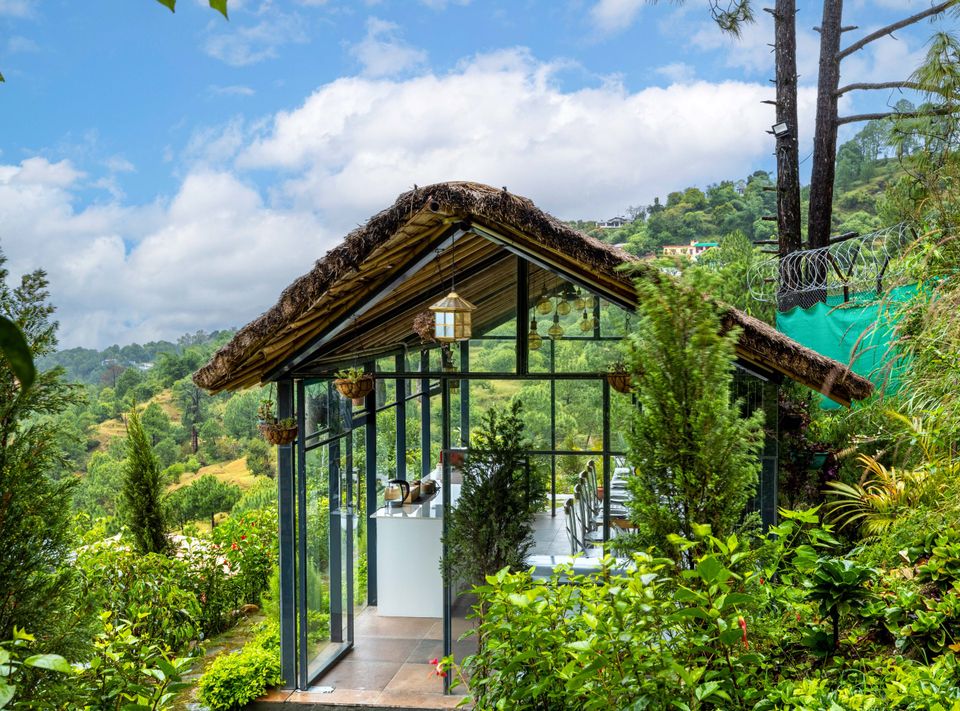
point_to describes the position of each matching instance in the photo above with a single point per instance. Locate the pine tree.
(696, 456)
(36, 585)
(143, 490)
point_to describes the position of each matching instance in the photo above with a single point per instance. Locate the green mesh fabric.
(858, 332)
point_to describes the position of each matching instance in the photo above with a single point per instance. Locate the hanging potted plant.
(619, 377)
(354, 383)
(275, 431)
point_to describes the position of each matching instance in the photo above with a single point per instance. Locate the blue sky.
(175, 172)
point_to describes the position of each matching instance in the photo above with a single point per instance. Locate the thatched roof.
(391, 265)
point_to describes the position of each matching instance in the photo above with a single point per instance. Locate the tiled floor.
(389, 664)
(387, 668)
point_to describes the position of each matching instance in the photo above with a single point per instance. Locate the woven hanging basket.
(620, 382)
(275, 434)
(357, 389)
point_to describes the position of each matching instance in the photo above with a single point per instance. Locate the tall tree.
(143, 490)
(828, 93)
(695, 454)
(35, 583)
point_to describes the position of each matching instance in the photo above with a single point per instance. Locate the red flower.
(439, 667)
(761, 581)
(743, 625)
(244, 537)
(233, 546)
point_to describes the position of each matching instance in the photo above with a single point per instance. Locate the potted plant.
(619, 377)
(354, 383)
(275, 431)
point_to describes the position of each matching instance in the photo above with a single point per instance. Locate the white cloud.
(212, 257)
(21, 45)
(382, 53)
(242, 45)
(18, 8)
(232, 90)
(442, 4)
(615, 15)
(356, 143)
(219, 251)
(677, 72)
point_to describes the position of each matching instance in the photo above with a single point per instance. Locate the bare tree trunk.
(825, 131)
(788, 159)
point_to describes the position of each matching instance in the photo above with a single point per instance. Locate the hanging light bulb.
(563, 306)
(544, 306)
(586, 323)
(556, 330)
(534, 339)
(588, 301)
(579, 303)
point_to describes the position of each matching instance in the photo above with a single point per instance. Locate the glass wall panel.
(571, 329)
(579, 406)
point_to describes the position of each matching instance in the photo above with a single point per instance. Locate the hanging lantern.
(563, 306)
(556, 330)
(586, 323)
(534, 339)
(452, 318)
(544, 306)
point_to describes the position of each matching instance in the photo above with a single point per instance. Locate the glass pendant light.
(586, 323)
(556, 330)
(563, 306)
(534, 339)
(579, 302)
(544, 306)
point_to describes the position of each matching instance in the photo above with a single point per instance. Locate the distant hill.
(865, 169)
(93, 367)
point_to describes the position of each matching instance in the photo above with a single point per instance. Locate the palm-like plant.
(880, 496)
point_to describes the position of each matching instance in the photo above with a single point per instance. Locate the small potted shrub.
(275, 431)
(354, 383)
(619, 377)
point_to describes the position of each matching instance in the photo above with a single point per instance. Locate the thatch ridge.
(484, 204)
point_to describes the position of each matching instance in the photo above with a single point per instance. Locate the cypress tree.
(37, 590)
(695, 454)
(143, 490)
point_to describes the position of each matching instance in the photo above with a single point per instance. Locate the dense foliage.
(492, 524)
(694, 452)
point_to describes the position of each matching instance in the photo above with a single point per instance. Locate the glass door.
(328, 568)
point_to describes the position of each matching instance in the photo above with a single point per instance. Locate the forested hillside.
(866, 166)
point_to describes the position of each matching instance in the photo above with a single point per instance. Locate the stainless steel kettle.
(395, 492)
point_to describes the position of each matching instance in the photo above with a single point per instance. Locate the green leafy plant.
(12, 663)
(694, 453)
(880, 497)
(838, 585)
(492, 525)
(352, 374)
(234, 680)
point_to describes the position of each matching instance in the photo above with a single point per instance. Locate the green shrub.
(152, 591)
(234, 680)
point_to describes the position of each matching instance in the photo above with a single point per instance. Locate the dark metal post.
(445, 492)
(302, 562)
(287, 533)
(553, 429)
(400, 365)
(606, 459)
(523, 314)
(464, 395)
(334, 542)
(425, 467)
(370, 480)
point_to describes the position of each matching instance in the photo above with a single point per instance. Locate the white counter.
(409, 549)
